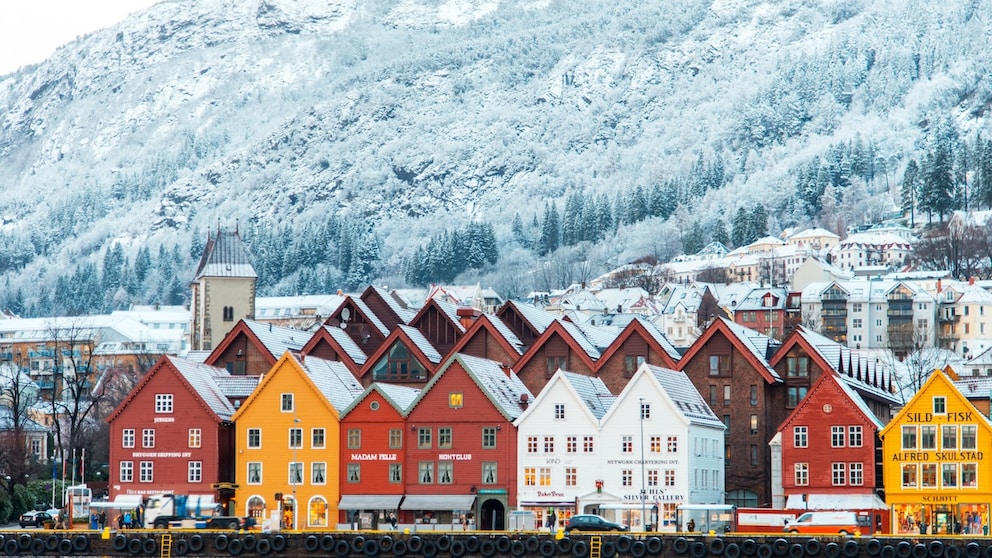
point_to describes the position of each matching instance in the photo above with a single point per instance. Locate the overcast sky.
(31, 30)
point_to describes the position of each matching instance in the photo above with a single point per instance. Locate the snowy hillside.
(403, 117)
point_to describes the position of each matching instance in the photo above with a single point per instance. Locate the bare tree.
(920, 363)
(18, 393)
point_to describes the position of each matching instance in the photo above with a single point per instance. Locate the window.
(969, 475)
(630, 364)
(909, 475)
(488, 437)
(399, 365)
(145, 471)
(254, 438)
(726, 422)
(798, 366)
(228, 313)
(969, 437)
(444, 437)
(127, 471)
(652, 477)
(949, 475)
(719, 365)
(194, 471)
(587, 444)
(395, 473)
(837, 436)
(626, 477)
(855, 307)
(531, 444)
(928, 437)
(286, 403)
(424, 438)
(795, 394)
(673, 444)
(856, 323)
(456, 400)
(800, 436)
(754, 455)
(127, 438)
(318, 473)
(295, 472)
(425, 471)
(857, 474)
(296, 438)
(445, 472)
(489, 475)
(354, 438)
(726, 395)
(318, 438)
(949, 437)
(928, 475)
(754, 395)
(559, 411)
(655, 444)
(571, 476)
(549, 444)
(571, 444)
(163, 402)
(838, 473)
(645, 410)
(354, 472)
(940, 405)
(802, 474)
(254, 472)
(908, 437)
(556, 362)
(395, 438)
(148, 438)
(530, 476)
(754, 424)
(627, 444)
(854, 437)
(669, 477)
(544, 476)
(713, 395)
(193, 440)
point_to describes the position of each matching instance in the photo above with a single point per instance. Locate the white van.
(824, 523)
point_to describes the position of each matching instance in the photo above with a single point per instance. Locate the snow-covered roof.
(347, 344)
(684, 395)
(277, 339)
(422, 343)
(592, 391)
(224, 256)
(203, 379)
(337, 384)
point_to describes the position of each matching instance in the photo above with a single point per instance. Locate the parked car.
(591, 522)
(35, 519)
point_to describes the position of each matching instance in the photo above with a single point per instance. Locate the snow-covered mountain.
(420, 114)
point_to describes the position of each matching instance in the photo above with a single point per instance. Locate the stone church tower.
(223, 290)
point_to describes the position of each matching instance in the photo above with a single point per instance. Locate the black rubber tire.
(988, 551)
(415, 545)
(327, 543)
(580, 549)
(749, 547)
(764, 550)
(873, 547)
(24, 541)
(52, 542)
(973, 550)
(458, 549)
(263, 547)
(235, 547)
(80, 544)
(400, 548)
(10, 547)
(429, 548)
(780, 547)
(311, 543)
(920, 550)
(357, 544)
(812, 547)
(608, 549)
(249, 542)
(680, 545)
(655, 545)
(342, 548)
(119, 542)
(547, 549)
(278, 543)
(371, 547)
(797, 550)
(717, 546)
(487, 548)
(952, 551)
(888, 551)
(472, 545)
(565, 545)
(697, 549)
(503, 544)
(386, 544)
(518, 548)
(443, 543)
(196, 543)
(831, 550)
(623, 544)
(532, 544)
(149, 546)
(904, 549)
(733, 550)
(65, 547)
(936, 549)
(181, 547)
(220, 543)
(638, 549)
(134, 546)
(851, 549)
(38, 547)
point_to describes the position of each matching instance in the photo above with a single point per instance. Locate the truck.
(192, 511)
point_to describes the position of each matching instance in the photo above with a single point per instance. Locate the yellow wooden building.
(937, 480)
(288, 436)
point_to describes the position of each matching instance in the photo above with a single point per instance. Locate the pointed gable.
(640, 341)
(527, 322)
(333, 343)
(390, 310)
(501, 387)
(489, 338)
(252, 348)
(438, 321)
(724, 334)
(562, 345)
(405, 356)
(589, 393)
(224, 256)
(360, 323)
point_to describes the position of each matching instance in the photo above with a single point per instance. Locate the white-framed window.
(626, 477)
(800, 436)
(544, 476)
(318, 438)
(395, 473)
(295, 472)
(354, 473)
(571, 476)
(195, 437)
(296, 438)
(559, 411)
(587, 444)
(802, 474)
(127, 438)
(837, 436)
(673, 444)
(669, 477)
(148, 437)
(194, 471)
(254, 472)
(549, 444)
(838, 473)
(318, 472)
(489, 472)
(854, 436)
(445, 472)
(254, 438)
(163, 402)
(146, 471)
(286, 403)
(425, 470)
(857, 473)
(127, 471)
(627, 444)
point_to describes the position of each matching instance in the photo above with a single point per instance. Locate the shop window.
(949, 475)
(909, 475)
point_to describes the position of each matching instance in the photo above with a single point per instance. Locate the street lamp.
(297, 470)
(644, 486)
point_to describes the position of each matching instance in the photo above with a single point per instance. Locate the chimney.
(524, 400)
(971, 281)
(938, 286)
(467, 315)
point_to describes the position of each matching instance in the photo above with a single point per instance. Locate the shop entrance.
(493, 515)
(943, 522)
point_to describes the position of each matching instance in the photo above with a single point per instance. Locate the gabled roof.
(270, 339)
(368, 314)
(398, 396)
(677, 389)
(937, 380)
(503, 388)
(753, 345)
(499, 331)
(412, 339)
(855, 399)
(402, 313)
(571, 335)
(538, 319)
(596, 399)
(200, 380)
(340, 340)
(444, 308)
(224, 256)
(650, 333)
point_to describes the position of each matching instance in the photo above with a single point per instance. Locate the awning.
(451, 502)
(835, 502)
(121, 502)
(547, 503)
(369, 501)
